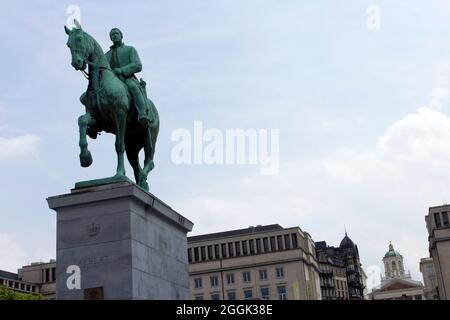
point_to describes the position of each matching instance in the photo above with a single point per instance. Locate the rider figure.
(124, 62)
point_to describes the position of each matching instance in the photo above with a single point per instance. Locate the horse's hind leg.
(133, 159)
(120, 144)
(149, 150)
(85, 155)
(148, 162)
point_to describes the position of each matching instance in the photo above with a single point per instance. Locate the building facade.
(41, 274)
(36, 278)
(333, 278)
(264, 262)
(429, 279)
(11, 280)
(396, 284)
(347, 253)
(438, 227)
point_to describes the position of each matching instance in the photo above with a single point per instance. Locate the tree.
(8, 294)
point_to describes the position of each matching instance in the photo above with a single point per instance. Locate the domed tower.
(350, 255)
(393, 265)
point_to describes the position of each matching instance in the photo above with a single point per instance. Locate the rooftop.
(233, 233)
(8, 275)
(392, 253)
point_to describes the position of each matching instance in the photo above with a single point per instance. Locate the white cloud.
(421, 139)
(256, 200)
(441, 93)
(12, 255)
(16, 147)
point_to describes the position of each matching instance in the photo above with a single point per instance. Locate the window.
(252, 246)
(47, 275)
(273, 246)
(248, 294)
(246, 276)
(203, 253)
(437, 219)
(215, 296)
(287, 241)
(214, 281)
(230, 249)
(196, 254)
(54, 274)
(231, 295)
(198, 283)
(279, 272)
(190, 255)
(210, 253)
(216, 251)
(237, 246)
(265, 244)
(282, 293)
(230, 278)
(444, 218)
(294, 240)
(263, 274)
(430, 271)
(258, 245)
(198, 297)
(244, 247)
(265, 294)
(224, 250)
(280, 242)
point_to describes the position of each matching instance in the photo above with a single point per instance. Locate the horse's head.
(79, 46)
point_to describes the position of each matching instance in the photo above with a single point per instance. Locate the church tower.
(393, 265)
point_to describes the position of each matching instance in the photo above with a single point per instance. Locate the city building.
(333, 277)
(262, 262)
(36, 278)
(429, 279)
(11, 280)
(396, 284)
(41, 274)
(348, 254)
(438, 227)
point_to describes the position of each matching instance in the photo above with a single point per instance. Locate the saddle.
(92, 97)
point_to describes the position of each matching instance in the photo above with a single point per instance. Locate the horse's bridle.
(90, 63)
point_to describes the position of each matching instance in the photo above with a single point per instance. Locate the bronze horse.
(109, 108)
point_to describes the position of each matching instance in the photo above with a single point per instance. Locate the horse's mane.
(97, 49)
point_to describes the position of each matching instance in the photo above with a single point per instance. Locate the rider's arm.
(134, 66)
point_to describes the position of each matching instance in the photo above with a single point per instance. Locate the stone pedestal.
(127, 243)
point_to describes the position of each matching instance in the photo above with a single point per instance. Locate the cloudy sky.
(362, 106)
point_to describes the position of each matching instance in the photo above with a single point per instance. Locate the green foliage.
(8, 294)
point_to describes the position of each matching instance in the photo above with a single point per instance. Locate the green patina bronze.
(116, 102)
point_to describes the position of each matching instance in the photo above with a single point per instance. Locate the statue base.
(116, 241)
(103, 181)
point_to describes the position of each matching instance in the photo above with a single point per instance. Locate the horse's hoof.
(85, 159)
(144, 185)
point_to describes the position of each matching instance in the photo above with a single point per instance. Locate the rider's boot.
(143, 117)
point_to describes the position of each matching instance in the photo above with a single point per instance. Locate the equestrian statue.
(115, 100)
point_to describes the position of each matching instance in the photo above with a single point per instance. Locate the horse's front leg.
(120, 146)
(85, 155)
